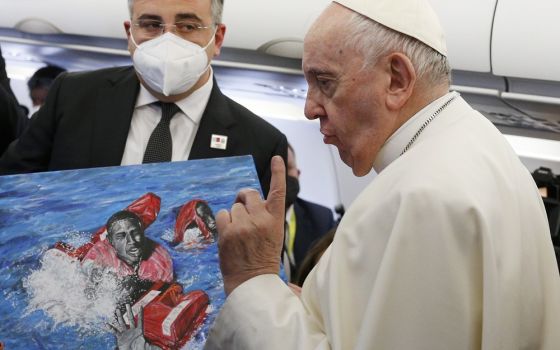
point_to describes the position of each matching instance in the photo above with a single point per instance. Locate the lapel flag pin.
(218, 141)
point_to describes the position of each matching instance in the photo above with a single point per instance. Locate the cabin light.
(37, 26)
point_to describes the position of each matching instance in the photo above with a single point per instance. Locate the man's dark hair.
(203, 209)
(123, 215)
(44, 77)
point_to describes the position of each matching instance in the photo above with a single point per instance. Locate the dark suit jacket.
(312, 222)
(85, 120)
(10, 119)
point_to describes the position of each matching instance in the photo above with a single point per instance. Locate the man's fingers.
(239, 213)
(117, 329)
(140, 323)
(130, 315)
(223, 218)
(120, 318)
(275, 202)
(247, 194)
(251, 199)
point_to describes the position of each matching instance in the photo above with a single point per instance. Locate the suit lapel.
(216, 120)
(115, 105)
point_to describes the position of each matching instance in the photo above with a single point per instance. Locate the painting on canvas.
(79, 248)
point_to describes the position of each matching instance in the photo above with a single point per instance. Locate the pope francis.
(448, 248)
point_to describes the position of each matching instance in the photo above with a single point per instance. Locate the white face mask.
(170, 65)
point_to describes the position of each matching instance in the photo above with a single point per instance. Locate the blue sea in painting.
(42, 304)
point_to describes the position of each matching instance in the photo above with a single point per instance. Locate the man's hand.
(250, 237)
(131, 338)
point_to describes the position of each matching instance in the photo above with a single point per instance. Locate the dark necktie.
(159, 145)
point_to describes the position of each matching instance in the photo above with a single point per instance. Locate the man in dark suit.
(306, 221)
(9, 119)
(12, 117)
(109, 117)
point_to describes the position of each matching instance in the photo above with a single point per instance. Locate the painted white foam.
(72, 294)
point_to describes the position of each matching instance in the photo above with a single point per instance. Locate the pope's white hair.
(217, 7)
(375, 40)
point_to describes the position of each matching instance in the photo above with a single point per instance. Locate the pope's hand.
(250, 237)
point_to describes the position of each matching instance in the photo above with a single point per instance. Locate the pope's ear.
(403, 79)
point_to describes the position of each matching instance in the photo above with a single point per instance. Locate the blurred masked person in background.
(306, 222)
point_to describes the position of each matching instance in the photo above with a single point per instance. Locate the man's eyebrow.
(189, 16)
(148, 16)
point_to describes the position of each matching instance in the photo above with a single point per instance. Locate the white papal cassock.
(448, 248)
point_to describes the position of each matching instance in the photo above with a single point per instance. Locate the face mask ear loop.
(211, 40)
(132, 37)
(205, 47)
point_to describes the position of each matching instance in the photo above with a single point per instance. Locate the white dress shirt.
(184, 124)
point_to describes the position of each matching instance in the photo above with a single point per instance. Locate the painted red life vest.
(187, 215)
(171, 317)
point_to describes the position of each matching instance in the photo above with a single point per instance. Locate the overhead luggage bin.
(468, 30)
(525, 41)
(101, 18)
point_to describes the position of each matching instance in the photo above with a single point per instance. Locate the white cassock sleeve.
(264, 313)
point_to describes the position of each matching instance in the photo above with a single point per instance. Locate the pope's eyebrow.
(312, 72)
(321, 73)
(318, 70)
(148, 16)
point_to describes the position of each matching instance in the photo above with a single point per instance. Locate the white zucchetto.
(415, 18)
